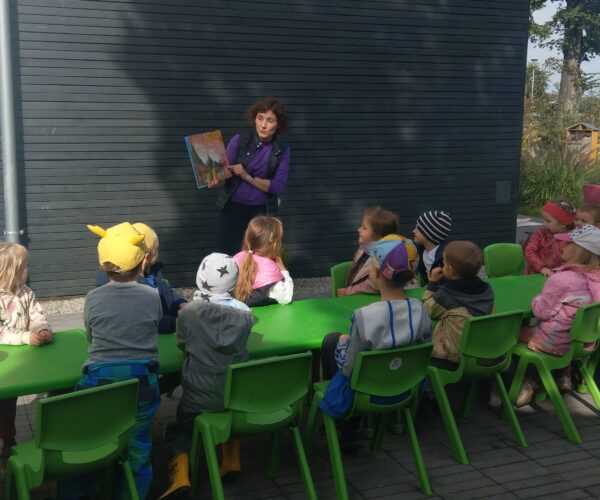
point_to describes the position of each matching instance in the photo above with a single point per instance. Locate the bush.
(552, 175)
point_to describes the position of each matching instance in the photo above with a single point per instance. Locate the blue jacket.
(169, 298)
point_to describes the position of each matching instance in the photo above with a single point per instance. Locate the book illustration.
(208, 158)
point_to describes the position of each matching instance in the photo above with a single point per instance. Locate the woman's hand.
(238, 169)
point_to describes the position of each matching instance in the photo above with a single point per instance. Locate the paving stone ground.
(550, 467)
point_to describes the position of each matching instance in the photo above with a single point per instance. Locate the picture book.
(208, 158)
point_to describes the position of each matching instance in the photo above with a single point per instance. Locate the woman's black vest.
(247, 146)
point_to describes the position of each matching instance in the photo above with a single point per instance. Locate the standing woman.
(260, 162)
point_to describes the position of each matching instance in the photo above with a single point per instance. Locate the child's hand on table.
(341, 292)
(546, 271)
(41, 337)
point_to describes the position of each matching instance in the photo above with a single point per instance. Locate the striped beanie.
(435, 225)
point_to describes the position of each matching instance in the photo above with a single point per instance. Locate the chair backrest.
(487, 341)
(86, 419)
(339, 274)
(388, 373)
(503, 259)
(267, 385)
(586, 324)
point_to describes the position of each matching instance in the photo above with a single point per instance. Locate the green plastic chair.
(76, 433)
(503, 259)
(485, 346)
(584, 330)
(385, 373)
(262, 396)
(339, 274)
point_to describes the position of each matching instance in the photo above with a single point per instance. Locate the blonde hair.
(14, 259)
(584, 257)
(264, 237)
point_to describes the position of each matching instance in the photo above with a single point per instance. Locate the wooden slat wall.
(408, 105)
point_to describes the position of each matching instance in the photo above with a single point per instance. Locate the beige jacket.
(20, 314)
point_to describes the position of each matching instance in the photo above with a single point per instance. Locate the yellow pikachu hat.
(121, 244)
(150, 237)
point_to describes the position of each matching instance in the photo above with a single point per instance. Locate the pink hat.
(587, 237)
(591, 194)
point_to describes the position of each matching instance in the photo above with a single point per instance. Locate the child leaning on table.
(22, 321)
(574, 284)
(454, 294)
(121, 321)
(170, 300)
(392, 322)
(543, 251)
(376, 223)
(263, 278)
(430, 232)
(213, 331)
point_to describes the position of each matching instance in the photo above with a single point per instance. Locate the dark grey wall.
(409, 105)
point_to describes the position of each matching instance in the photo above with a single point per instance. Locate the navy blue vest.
(246, 147)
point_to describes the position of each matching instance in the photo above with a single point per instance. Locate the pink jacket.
(358, 278)
(543, 250)
(565, 291)
(267, 273)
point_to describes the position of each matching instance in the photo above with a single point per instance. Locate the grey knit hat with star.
(435, 225)
(216, 277)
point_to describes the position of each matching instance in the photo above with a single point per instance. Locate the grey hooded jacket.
(212, 336)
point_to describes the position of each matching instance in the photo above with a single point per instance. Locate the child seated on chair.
(212, 331)
(574, 284)
(392, 322)
(542, 250)
(454, 294)
(376, 223)
(171, 301)
(430, 233)
(121, 321)
(22, 322)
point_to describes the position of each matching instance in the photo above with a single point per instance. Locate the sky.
(541, 55)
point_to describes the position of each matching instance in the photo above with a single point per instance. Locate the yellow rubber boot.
(179, 477)
(230, 465)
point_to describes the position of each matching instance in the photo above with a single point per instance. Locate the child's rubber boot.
(230, 465)
(179, 478)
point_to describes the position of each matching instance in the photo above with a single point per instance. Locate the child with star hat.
(212, 331)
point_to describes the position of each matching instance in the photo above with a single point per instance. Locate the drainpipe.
(7, 125)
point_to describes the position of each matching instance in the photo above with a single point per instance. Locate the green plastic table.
(296, 327)
(511, 293)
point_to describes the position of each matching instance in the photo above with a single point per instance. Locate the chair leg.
(366, 427)
(448, 418)
(588, 377)
(335, 457)
(212, 463)
(469, 400)
(274, 455)
(416, 451)
(510, 411)
(16, 483)
(517, 381)
(129, 480)
(310, 426)
(380, 429)
(303, 462)
(559, 404)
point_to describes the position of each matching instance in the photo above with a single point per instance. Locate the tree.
(574, 30)
(537, 79)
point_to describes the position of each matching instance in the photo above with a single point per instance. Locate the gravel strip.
(304, 288)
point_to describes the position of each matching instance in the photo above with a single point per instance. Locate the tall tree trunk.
(570, 81)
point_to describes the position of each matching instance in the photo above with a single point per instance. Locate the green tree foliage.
(537, 79)
(575, 31)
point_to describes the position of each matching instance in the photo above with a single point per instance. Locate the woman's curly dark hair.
(269, 104)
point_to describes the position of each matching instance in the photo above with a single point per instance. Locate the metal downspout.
(7, 125)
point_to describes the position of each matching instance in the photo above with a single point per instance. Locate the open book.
(209, 161)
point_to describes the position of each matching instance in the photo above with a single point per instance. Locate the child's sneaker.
(564, 383)
(526, 393)
(495, 400)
